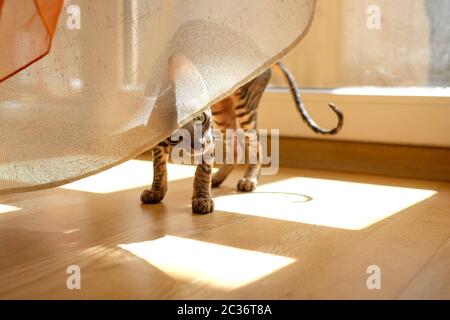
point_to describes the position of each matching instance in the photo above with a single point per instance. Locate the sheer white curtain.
(114, 87)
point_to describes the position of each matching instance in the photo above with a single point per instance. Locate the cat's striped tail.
(302, 109)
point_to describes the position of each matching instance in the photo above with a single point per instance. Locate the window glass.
(375, 43)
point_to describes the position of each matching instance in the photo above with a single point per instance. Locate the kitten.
(198, 146)
(239, 110)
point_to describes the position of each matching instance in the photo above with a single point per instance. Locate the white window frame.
(383, 117)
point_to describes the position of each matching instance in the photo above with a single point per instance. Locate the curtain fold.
(26, 32)
(109, 89)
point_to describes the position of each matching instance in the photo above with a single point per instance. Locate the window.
(385, 63)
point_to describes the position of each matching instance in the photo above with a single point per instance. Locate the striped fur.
(159, 185)
(201, 198)
(239, 110)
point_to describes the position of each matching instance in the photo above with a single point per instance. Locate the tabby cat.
(237, 110)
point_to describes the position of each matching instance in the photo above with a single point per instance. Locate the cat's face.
(196, 136)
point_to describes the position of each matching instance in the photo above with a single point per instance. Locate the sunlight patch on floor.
(128, 175)
(72, 231)
(206, 263)
(5, 208)
(330, 203)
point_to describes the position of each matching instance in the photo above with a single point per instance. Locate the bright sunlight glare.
(206, 263)
(128, 175)
(5, 208)
(330, 203)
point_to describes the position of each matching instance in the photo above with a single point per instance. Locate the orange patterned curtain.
(26, 32)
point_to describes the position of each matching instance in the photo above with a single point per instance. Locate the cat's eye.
(200, 118)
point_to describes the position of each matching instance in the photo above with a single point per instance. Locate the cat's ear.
(187, 83)
(180, 67)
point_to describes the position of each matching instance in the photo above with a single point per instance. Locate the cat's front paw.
(246, 184)
(202, 205)
(152, 196)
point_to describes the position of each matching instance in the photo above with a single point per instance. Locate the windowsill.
(441, 92)
(392, 118)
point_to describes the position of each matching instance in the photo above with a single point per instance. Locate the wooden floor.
(303, 235)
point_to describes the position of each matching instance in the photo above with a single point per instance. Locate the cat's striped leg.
(224, 117)
(224, 171)
(159, 185)
(201, 198)
(246, 115)
(252, 150)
